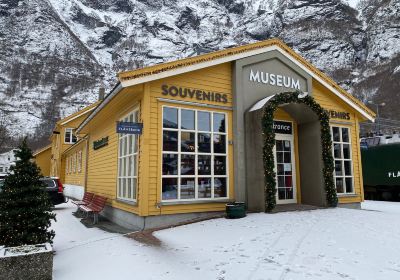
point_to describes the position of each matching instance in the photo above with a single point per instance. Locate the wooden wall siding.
(75, 178)
(217, 79)
(103, 163)
(43, 160)
(329, 101)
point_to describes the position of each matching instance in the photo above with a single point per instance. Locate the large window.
(70, 137)
(127, 161)
(194, 155)
(343, 163)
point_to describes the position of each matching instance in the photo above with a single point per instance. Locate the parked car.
(54, 189)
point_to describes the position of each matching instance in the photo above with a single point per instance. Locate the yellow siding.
(75, 156)
(42, 159)
(217, 79)
(103, 163)
(331, 102)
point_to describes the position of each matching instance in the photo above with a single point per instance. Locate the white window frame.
(134, 154)
(342, 159)
(196, 154)
(71, 131)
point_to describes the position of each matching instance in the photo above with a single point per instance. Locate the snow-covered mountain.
(54, 54)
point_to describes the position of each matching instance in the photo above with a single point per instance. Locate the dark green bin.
(235, 210)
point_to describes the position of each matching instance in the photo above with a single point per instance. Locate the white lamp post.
(377, 113)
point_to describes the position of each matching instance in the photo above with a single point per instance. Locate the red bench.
(95, 207)
(87, 198)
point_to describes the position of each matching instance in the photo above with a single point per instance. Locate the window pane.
(73, 137)
(187, 119)
(169, 188)
(130, 144)
(129, 188)
(279, 145)
(280, 169)
(219, 122)
(287, 157)
(67, 135)
(345, 134)
(337, 151)
(220, 187)
(170, 141)
(134, 165)
(187, 141)
(279, 157)
(134, 184)
(349, 185)
(204, 165)
(339, 185)
(336, 134)
(204, 187)
(203, 142)
(170, 164)
(170, 118)
(203, 121)
(338, 168)
(286, 145)
(187, 188)
(347, 168)
(346, 151)
(219, 144)
(135, 143)
(220, 165)
(187, 164)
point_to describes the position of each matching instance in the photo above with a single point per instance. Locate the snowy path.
(320, 244)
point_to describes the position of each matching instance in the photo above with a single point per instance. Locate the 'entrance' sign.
(281, 127)
(129, 127)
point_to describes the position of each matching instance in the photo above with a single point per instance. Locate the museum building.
(178, 140)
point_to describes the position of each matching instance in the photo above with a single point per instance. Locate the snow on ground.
(320, 244)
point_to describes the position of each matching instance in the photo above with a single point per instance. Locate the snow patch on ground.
(321, 244)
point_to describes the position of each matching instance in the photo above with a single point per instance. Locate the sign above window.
(281, 127)
(129, 127)
(100, 143)
(197, 94)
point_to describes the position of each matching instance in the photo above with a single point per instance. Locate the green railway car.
(381, 171)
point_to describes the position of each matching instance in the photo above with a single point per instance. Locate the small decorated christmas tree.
(25, 208)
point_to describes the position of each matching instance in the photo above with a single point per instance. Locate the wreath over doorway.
(269, 143)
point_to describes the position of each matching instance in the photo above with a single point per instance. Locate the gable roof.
(168, 69)
(76, 115)
(41, 150)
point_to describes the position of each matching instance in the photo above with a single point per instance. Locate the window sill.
(129, 202)
(348, 195)
(225, 200)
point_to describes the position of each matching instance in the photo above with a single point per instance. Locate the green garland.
(269, 143)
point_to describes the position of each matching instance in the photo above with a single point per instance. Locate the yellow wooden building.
(43, 159)
(201, 142)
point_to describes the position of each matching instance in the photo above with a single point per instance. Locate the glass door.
(285, 169)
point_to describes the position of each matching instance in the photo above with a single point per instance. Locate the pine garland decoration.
(25, 207)
(269, 143)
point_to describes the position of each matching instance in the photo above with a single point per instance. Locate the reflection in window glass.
(219, 122)
(220, 187)
(204, 142)
(188, 188)
(169, 188)
(204, 187)
(187, 164)
(170, 164)
(204, 165)
(187, 141)
(220, 165)
(203, 121)
(187, 119)
(219, 144)
(170, 118)
(170, 141)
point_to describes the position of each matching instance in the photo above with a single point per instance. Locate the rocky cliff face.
(55, 53)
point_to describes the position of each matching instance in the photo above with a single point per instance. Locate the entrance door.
(285, 169)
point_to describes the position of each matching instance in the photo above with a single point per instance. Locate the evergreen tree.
(25, 207)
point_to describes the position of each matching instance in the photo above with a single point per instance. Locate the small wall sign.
(100, 143)
(129, 127)
(338, 115)
(281, 127)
